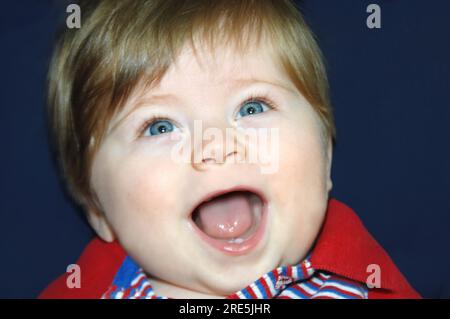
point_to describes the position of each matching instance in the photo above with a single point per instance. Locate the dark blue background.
(391, 92)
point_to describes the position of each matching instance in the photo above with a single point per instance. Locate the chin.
(236, 277)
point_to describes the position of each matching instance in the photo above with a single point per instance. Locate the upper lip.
(216, 193)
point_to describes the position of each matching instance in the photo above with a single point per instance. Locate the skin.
(146, 197)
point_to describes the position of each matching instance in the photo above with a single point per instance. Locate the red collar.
(343, 247)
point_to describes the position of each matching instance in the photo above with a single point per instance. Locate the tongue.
(228, 216)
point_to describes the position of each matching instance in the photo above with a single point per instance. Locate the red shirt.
(344, 247)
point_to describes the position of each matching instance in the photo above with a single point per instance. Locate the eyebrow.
(238, 83)
(154, 98)
(146, 101)
(242, 82)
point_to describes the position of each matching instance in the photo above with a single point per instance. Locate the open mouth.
(232, 221)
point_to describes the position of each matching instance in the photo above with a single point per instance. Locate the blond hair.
(94, 69)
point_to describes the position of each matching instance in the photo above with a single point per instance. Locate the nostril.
(217, 159)
(203, 163)
(208, 160)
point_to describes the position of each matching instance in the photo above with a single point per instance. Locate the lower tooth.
(236, 241)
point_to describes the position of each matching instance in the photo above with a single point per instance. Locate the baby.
(197, 136)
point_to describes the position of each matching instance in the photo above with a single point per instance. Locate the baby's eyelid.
(266, 105)
(153, 120)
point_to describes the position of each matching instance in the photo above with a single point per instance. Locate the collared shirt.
(345, 255)
(301, 281)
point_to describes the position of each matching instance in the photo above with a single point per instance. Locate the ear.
(98, 222)
(328, 161)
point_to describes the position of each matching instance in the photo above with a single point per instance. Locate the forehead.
(224, 66)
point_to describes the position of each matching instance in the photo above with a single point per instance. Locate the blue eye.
(251, 108)
(159, 127)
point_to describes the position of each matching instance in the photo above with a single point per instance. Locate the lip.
(233, 248)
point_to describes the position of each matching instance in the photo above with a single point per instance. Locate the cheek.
(299, 186)
(302, 164)
(135, 188)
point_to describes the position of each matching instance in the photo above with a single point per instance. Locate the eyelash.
(262, 98)
(154, 118)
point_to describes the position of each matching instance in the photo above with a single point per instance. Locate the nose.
(216, 148)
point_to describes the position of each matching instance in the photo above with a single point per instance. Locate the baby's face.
(257, 219)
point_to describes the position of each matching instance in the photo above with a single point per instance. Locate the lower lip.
(236, 248)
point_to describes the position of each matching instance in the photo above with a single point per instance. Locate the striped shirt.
(300, 281)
